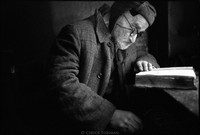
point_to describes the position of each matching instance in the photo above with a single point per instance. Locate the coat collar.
(102, 31)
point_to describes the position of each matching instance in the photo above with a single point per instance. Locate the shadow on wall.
(183, 31)
(27, 35)
(158, 33)
(71, 11)
(29, 30)
(174, 36)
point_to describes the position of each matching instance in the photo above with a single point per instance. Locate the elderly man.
(90, 65)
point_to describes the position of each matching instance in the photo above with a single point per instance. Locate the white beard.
(123, 46)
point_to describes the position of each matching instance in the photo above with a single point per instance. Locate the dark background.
(28, 30)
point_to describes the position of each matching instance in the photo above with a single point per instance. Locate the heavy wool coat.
(80, 70)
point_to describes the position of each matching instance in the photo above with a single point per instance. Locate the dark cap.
(143, 8)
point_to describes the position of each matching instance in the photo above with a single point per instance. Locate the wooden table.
(182, 105)
(188, 98)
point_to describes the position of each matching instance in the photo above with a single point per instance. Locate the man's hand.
(125, 121)
(144, 66)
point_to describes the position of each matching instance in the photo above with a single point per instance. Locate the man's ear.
(104, 9)
(105, 12)
(106, 18)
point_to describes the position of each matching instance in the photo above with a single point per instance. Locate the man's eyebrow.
(137, 26)
(124, 27)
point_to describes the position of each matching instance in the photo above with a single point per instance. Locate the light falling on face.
(127, 28)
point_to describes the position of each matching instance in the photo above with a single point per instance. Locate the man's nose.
(133, 38)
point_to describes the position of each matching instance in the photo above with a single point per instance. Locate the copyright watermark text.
(99, 133)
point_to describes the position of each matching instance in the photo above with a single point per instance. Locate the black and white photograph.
(100, 67)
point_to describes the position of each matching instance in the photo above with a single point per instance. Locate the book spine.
(165, 82)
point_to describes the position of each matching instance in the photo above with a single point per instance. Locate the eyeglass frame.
(132, 29)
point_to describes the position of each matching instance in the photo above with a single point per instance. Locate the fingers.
(136, 121)
(125, 121)
(131, 127)
(144, 66)
(132, 123)
(123, 127)
(151, 67)
(139, 65)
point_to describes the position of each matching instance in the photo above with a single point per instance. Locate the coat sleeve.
(77, 100)
(142, 54)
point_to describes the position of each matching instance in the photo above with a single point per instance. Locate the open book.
(168, 78)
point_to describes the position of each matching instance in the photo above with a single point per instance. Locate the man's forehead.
(137, 20)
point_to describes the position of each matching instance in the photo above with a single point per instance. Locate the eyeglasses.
(132, 29)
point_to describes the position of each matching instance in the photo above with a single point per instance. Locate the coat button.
(99, 75)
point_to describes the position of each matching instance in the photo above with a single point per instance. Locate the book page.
(171, 71)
